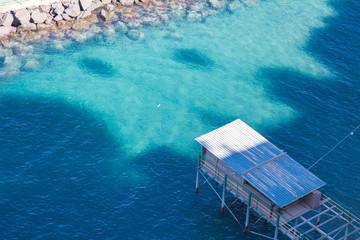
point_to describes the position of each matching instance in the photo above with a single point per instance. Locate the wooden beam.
(323, 223)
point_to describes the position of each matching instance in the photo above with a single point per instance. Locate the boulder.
(42, 26)
(94, 6)
(66, 17)
(85, 4)
(126, 2)
(214, 4)
(38, 17)
(57, 8)
(109, 7)
(104, 15)
(6, 19)
(48, 19)
(73, 10)
(27, 27)
(21, 17)
(105, 2)
(6, 30)
(136, 35)
(121, 27)
(58, 18)
(45, 8)
(84, 14)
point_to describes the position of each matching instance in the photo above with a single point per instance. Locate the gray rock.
(6, 19)
(214, 4)
(85, 4)
(105, 2)
(58, 18)
(21, 17)
(6, 30)
(94, 6)
(126, 2)
(45, 8)
(57, 8)
(121, 27)
(104, 15)
(136, 35)
(66, 17)
(42, 26)
(84, 14)
(109, 7)
(38, 17)
(48, 19)
(73, 10)
(27, 27)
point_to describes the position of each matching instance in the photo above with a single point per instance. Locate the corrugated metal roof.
(283, 180)
(239, 146)
(276, 175)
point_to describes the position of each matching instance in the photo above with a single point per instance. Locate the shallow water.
(98, 140)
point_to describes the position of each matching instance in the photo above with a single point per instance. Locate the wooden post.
(277, 226)
(248, 212)
(223, 195)
(197, 176)
(318, 218)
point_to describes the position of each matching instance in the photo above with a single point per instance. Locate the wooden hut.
(263, 176)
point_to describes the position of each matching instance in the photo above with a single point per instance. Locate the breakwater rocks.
(63, 18)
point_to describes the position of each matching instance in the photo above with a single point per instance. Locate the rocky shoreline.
(67, 17)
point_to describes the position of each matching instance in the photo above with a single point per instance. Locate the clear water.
(97, 136)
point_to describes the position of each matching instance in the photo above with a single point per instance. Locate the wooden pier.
(273, 186)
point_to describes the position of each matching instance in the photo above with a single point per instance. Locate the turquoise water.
(98, 133)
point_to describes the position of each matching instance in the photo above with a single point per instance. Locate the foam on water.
(164, 92)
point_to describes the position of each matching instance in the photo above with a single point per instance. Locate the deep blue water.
(69, 170)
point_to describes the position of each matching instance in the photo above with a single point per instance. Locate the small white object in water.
(158, 105)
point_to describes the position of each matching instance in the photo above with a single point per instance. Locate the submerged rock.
(31, 65)
(121, 27)
(97, 67)
(136, 35)
(6, 19)
(21, 17)
(192, 58)
(176, 36)
(214, 4)
(234, 5)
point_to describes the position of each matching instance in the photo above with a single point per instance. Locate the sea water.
(97, 136)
